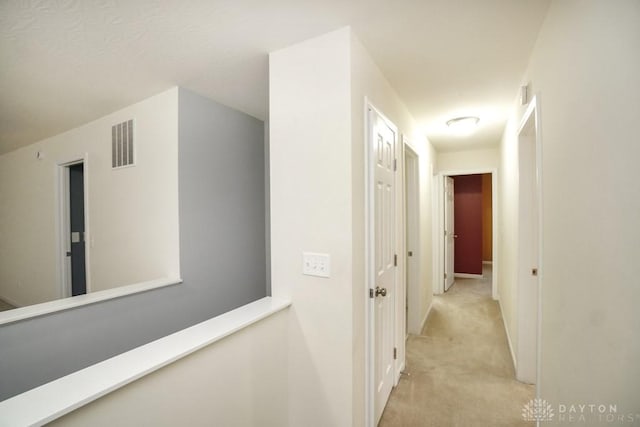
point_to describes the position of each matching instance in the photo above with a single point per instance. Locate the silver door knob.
(381, 291)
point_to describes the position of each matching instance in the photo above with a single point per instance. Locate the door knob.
(381, 291)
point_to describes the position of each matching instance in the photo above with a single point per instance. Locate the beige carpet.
(459, 370)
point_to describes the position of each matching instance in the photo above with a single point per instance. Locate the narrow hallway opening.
(459, 370)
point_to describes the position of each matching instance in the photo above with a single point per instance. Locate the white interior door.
(384, 139)
(449, 233)
(413, 319)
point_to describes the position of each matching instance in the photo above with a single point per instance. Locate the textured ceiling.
(64, 63)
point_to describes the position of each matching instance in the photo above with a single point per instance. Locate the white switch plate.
(314, 264)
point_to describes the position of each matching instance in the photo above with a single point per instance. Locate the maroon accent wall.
(468, 223)
(487, 218)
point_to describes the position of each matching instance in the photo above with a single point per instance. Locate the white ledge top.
(66, 303)
(59, 397)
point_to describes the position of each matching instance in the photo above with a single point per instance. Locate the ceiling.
(67, 62)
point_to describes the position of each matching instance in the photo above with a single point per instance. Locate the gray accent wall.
(222, 257)
(267, 207)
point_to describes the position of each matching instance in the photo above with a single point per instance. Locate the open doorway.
(73, 228)
(468, 225)
(466, 214)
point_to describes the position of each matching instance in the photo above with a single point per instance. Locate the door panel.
(449, 232)
(384, 141)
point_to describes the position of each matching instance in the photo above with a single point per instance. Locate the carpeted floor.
(459, 370)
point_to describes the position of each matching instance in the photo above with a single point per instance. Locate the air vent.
(122, 144)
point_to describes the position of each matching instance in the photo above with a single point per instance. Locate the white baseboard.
(401, 367)
(10, 301)
(468, 276)
(426, 316)
(506, 330)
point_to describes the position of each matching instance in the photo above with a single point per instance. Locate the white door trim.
(533, 112)
(369, 308)
(438, 241)
(62, 192)
(448, 237)
(368, 274)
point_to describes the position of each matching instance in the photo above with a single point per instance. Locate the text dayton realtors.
(589, 411)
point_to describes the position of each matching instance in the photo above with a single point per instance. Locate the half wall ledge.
(59, 397)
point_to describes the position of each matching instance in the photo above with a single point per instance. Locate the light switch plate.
(315, 264)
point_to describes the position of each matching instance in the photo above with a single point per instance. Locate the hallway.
(459, 371)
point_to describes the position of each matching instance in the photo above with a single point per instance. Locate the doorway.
(470, 225)
(412, 318)
(529, 245)
(472, 187)
(73, 228)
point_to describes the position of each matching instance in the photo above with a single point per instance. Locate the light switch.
(315, 264)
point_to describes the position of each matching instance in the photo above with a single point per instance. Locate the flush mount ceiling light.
(463, 125)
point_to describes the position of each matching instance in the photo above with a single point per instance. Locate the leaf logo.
(537, 410)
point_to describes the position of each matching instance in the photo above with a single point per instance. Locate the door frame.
(448, 214)
(438, 241)
(62, 197)
(525, 335)
(369, 261)
(411, 236)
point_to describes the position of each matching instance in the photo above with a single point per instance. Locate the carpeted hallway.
(459, 370)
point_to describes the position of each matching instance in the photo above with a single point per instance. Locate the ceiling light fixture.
(463, 125)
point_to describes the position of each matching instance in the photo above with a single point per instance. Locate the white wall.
(317, 91)
(133, 212)
(311, 210)
(508, 228)
(368, 81)
(584, 68)
(238, 381)
(488, 158)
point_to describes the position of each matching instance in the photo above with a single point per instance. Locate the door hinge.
(395, 353)
(395, 260)
(395, 165)
(371, 293)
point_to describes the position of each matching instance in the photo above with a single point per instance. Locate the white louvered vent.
(122, 144)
